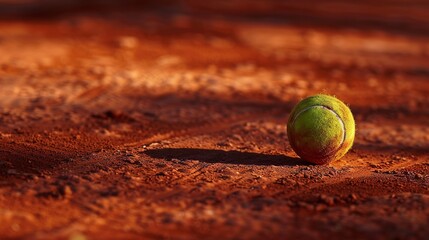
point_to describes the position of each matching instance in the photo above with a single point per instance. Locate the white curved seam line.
(330, 110)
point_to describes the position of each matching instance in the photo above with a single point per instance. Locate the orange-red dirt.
(152, 125)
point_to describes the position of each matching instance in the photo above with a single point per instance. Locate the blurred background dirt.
(167, 119)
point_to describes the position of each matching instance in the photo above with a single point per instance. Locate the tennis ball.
(321, 129)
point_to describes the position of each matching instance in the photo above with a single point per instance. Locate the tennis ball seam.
(343, 126)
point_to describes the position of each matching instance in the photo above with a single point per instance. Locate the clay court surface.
(170, 122)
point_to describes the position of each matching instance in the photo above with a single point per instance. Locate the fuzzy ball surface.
(321, 129)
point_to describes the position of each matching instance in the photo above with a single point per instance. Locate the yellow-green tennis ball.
(321, 129)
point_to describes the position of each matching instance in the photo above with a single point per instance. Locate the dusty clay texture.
(171, 123)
